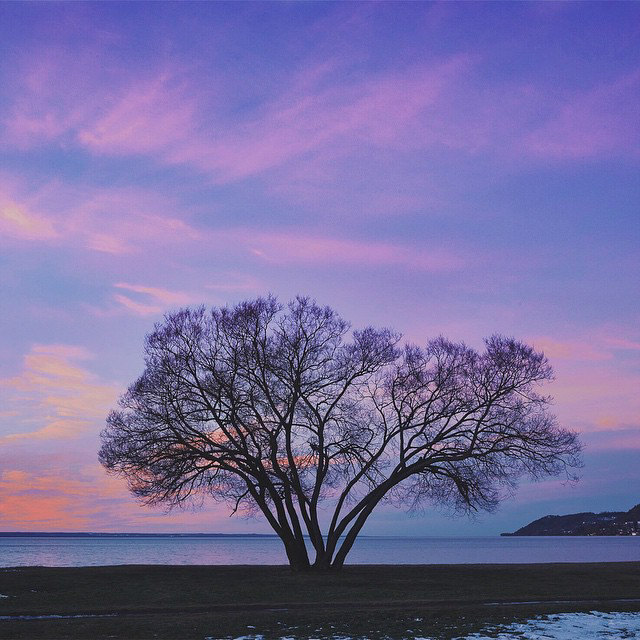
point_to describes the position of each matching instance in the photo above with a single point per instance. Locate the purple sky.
(463, 169)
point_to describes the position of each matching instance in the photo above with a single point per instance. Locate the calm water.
(97, 550)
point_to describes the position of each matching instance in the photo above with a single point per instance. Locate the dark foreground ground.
(393, 601)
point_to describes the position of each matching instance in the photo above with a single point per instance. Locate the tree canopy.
(288, 412)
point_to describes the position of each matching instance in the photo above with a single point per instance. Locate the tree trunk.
(356, 527)
(296, 551)
(298, 559)
(322, 562)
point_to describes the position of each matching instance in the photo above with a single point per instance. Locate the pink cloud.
(138, 308)
(144, 300)
(153, 300)
(147, 300)
(601, 120)
(169, 113)
(47, 106)
(29, 511)
(375, 185)
(286, 248)
(163, 296)
(124, 220)
(104, 219)
(622, 343)
(147, 118)
(570, 349)
(173, 115)
(17, 221)
(236, 282)
(594, 389)
(380, 111)
(92, 101)
(305, 249)
(63, 492)
(55, 395)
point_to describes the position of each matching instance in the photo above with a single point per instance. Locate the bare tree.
(284, 410)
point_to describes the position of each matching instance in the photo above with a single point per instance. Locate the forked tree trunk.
(322, 564)
(297, 554)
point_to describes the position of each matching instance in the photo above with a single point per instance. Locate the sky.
(449, 168)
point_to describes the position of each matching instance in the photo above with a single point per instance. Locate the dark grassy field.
(184, 602)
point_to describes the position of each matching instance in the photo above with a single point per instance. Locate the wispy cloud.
(164, 114)
(418, 108)
(236, 282)
(302, 135)
(52, 95)
(55, 395)
(292, 248)
(309, 117)
(571, 349)
(622, 343)
(151, 300)
(17, 221)
(150, 117)
(596, 383)
(602, 120)
(102, 219)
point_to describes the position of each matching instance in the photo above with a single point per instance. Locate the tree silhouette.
(284, 410)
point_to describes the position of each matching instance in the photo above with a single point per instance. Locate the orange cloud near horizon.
(57, 395)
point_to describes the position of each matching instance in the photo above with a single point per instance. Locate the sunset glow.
(449, 168)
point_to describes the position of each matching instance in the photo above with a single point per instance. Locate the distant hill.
(607, 523)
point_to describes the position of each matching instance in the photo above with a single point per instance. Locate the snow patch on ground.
(595, 625)
(567, 626)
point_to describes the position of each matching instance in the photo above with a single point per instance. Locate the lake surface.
(184, 549)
